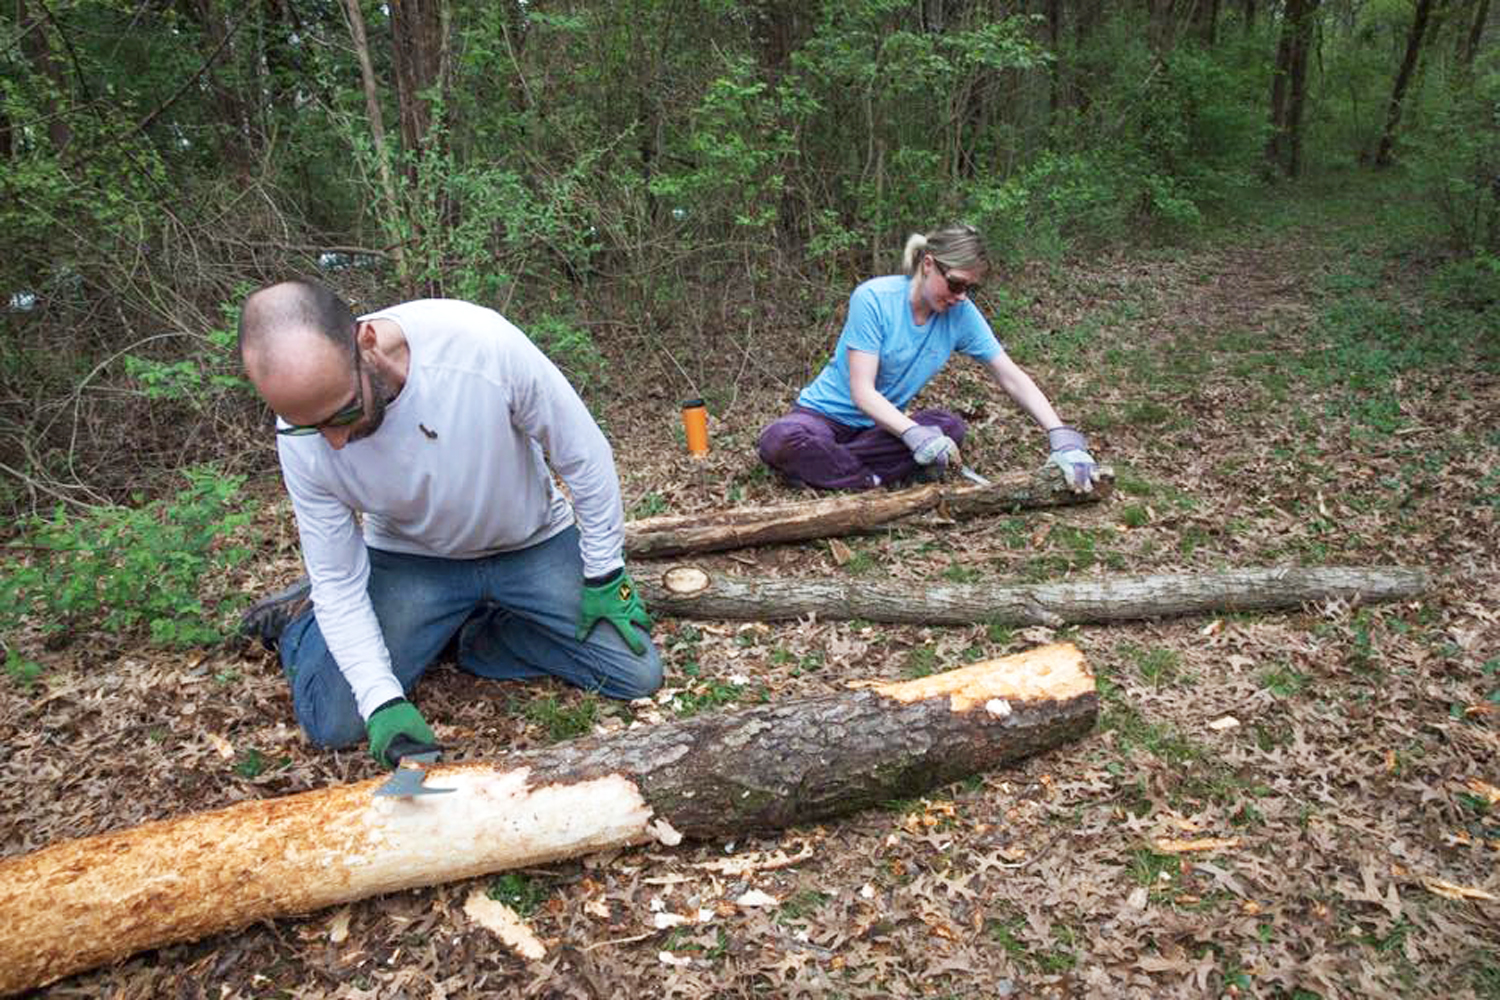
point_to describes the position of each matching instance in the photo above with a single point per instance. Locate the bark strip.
(847, 514)
(692, 592)
(82, 903)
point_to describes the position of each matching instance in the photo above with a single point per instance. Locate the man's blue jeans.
(514, 616)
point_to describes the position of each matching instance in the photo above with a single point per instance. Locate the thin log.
(82, 903)
(850, 513)
(692, 592)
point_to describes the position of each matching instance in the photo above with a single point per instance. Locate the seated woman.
(848, 429)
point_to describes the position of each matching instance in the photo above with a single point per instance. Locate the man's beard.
(380, 396)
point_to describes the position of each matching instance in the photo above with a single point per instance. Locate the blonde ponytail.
(916, 246)
(958, 245)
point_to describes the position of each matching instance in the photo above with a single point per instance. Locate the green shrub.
(154, 572)
(572, 349)
(1455, 159)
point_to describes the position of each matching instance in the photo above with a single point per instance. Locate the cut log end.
(1047, 673)
(685, 580)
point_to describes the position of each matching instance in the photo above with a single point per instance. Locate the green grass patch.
(1284, 681)
(649, 506)
(522, 893)
(921, 662)
(1051, 959)
(801, 904)
(705, 695)
(960, 573)
(1157, 667)
(562, 720)
(252, 764)
(1485, 975)
(1133, 732)
(861, 563)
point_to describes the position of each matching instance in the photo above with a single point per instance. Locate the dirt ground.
(1280, 805)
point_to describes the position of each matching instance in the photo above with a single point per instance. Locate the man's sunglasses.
(956, 286)
(343, 418)
(348, 414)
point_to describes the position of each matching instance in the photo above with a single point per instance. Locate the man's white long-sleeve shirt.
(456, 470)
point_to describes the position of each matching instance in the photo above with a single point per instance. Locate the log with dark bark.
(850, 513)
(692, 592)
(85, 902)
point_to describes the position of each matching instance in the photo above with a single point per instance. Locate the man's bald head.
(297, 340)
(278, 320)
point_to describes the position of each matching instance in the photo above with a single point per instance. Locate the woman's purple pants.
(809, 448)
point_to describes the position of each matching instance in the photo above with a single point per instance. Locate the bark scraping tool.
(411, 770)
(973, 476)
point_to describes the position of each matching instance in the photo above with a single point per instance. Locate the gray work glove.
(1070, 453)
(928, 445)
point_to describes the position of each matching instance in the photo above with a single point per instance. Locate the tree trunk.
(1469, 46)
(847, 514)
(1403, 78)
(419, 56)
(38, 52)
(82, 903)
(1206, 21)
(1159, 26)
(1297, 100)
(1055, 98)
(229, 105)
(1289, 87)
(361, 40)
(690, 592)
(419, 49)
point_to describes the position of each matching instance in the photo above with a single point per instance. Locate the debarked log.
(850, 513)
(82, 903)
(693, 592)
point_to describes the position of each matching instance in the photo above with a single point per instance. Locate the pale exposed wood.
(1103, 599)
(82, 903)
(849, 513)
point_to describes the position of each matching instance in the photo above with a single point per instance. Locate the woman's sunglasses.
(956, 286)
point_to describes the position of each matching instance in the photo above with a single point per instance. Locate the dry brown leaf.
(841, 553)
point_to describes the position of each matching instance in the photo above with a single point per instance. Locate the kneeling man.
(415, 443)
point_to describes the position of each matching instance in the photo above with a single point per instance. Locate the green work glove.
(397, 717)
(614, 599)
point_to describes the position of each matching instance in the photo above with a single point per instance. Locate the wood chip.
(505, 923)
(1168, 845)
(1448, 890)
(756, 898)
(1484, 790)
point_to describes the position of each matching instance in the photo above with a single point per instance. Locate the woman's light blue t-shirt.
(880, 323)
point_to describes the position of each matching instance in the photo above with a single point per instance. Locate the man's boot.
(268, 617)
